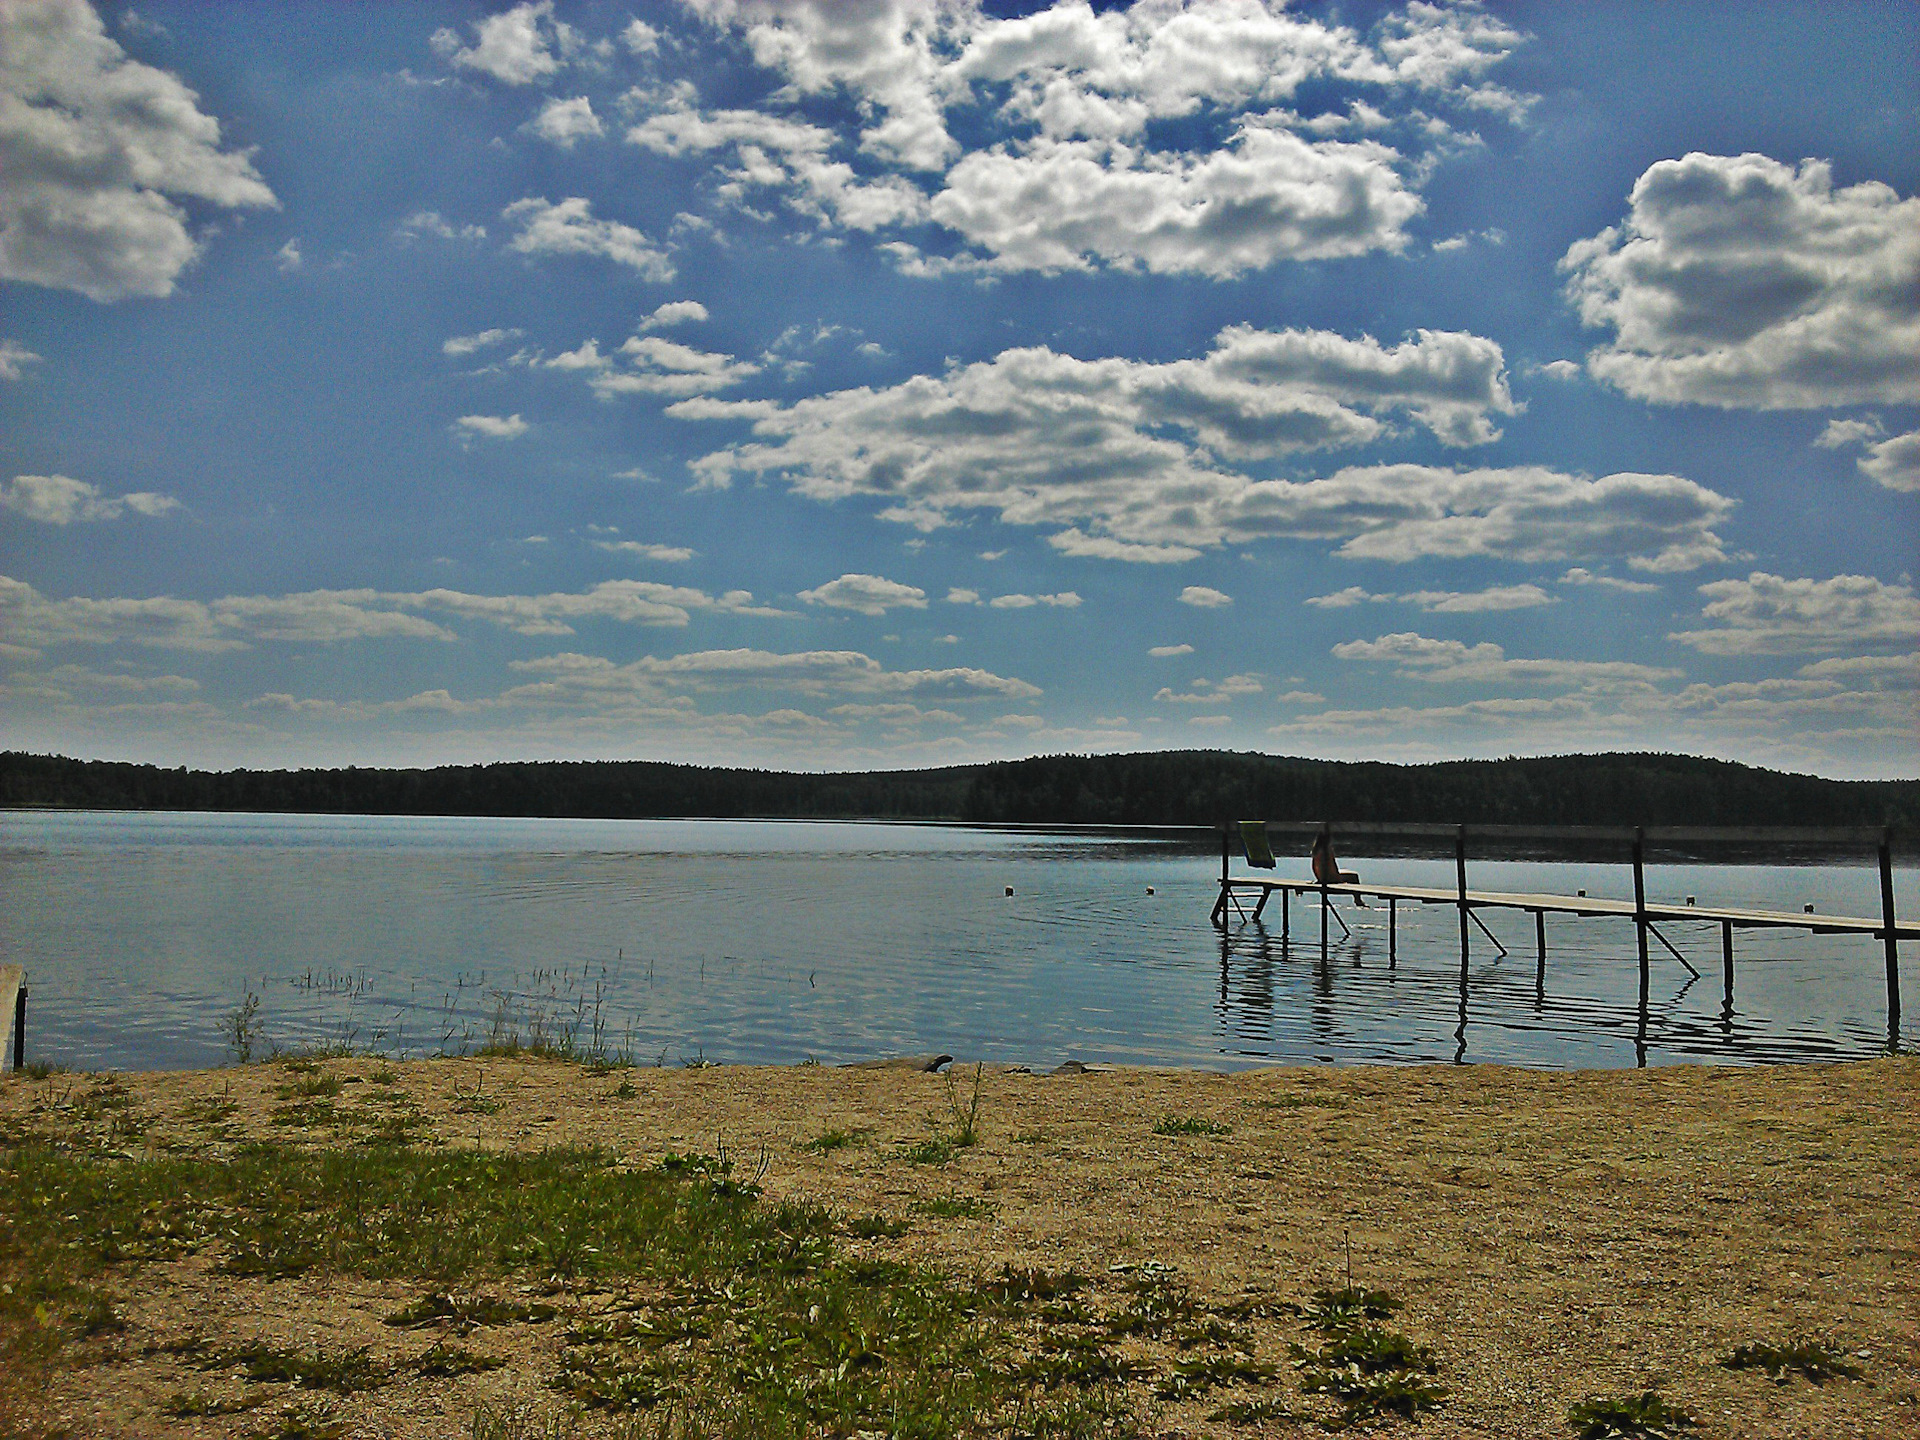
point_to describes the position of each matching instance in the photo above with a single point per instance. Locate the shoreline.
(1555, 1235)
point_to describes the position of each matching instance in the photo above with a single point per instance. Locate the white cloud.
(1581, 576)
(1209, 692)
(568, 228)
(1065, 600)
(61, 500)
(97, 151)
(1841, 433)
(1739, 281)
(515, 47)
(1205, 597)
(960, 596)
(1561, 369)
(1167, 652)
(488, 427)
(1344, 599)
(467, 344)
(1073, 541)
(1895, 462)
(1417, 657)
(567, 122)
(1066, 169)
(288, 257)
(327, 616)
(432, 222)
(675, 312)
(1442, 602)
(653, 365)
(667, 554)
(1768, 614)
(867, 594)
(575, 679)
(640, 38)
(14, 358)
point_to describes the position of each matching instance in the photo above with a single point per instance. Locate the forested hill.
(1181, 787)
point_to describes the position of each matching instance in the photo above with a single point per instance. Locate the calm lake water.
(775, 941)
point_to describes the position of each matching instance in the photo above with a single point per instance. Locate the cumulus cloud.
(97, 152)
(1767, 614)
(569, 228)
(1205, 597)
(458, 345)
(1065, 600)
(515, 47)
(1894, 462)
(668, 554)
(867, 594)
(573, 678)
(433, 223)
(61, 500)
(1417, 657)
(1579, 575)
(1141, 461)
(1061, 167)
(653, 365)
(327, 616)
(567, 122)
(14, 359)
(1167, 652)
(1742, 282)
(1211, 692)
(1442, 602)
(469, 428)
(675, 312)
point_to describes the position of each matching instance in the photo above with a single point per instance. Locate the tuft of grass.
(829, 1141)
(1628, 1417)
(934, 1150)
(41, 1069)
(1208, 1372)
(242, 1029)
(474, 1101)
(312, 1085)
(1818, 1360)
(876, 1227)
(954, 1207)
(192, 1404)
(383, 1074)
(625, 1090)
(464, 1313)
(304, 1424)
(1190, 1125)
(342, 1371)
(965, 1126)
(1370, 1370)
(442, 1359)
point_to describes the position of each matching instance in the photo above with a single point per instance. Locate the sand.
(1555, 1236)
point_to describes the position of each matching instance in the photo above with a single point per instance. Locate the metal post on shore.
(1640, 909)
(1889, 935)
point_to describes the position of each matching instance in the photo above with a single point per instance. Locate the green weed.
(1208, 1372)
(1818, 1360)
(954, 1207)
(829, 1141)
(442, 1359)
(1628, 1417)
(876, 1227)
(1190, 1125)
(463, 1313)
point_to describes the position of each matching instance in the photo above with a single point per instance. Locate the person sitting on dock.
(1326, 869)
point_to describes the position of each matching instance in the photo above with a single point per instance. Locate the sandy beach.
(1554, 1237)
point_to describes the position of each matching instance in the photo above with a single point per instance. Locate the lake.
(774, 942)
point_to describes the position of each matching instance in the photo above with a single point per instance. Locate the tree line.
(1179, 787)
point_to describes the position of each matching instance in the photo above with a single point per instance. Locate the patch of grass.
(1064, 1358)
(625, 1090)
(41, 1069)
(306, 1115)
(442, 1359)
(342, 1371)
(191, 1404)
(1027, 1285)
(876, 1227)
(304, 1424)
(828, 1141)
(1190, 1125)
(1256, 1412)
(474, 1101)
(98, 1317)
(1628, 1417)
(1818, 1360)
(1208, 1372)
(1370, 1370)
(383, 1075)
(1154, 1309)
(313, 1085)
(464, 1313)
(1301, 1100)
(954, 1207)
(1029, 1137)
(934, 1150)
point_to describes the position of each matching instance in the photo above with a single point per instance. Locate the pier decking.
(1647, 916)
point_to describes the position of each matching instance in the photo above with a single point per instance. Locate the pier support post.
(1325, 905)
(20, 1029)
(1286, 897)
(1226, 851)
(1888, 936)
(1393, 931)
(1460, 876)
(1726, 961)
(1540, 948)
(1640, 910)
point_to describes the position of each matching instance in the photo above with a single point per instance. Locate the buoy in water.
(1149, 889)
(1009, 889)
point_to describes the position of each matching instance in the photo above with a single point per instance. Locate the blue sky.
(901, 384)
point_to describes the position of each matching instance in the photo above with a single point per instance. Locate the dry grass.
(1556, 1238)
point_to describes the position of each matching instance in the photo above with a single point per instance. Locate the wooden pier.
(1646, 916)
(13, 1014)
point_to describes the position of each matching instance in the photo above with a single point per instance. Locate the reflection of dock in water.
(1647, 917)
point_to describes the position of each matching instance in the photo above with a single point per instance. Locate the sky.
(884, 383)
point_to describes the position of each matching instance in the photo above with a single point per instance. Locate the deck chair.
(1253, 838)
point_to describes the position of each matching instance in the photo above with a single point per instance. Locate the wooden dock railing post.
(13, 1012)
(1219, 916)
(1460, 875)
(1890, 937)
(20, 1029)
(1726, 962)
(1540, 948)
(1640, 907)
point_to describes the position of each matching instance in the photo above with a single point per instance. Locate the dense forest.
(1180, 787)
